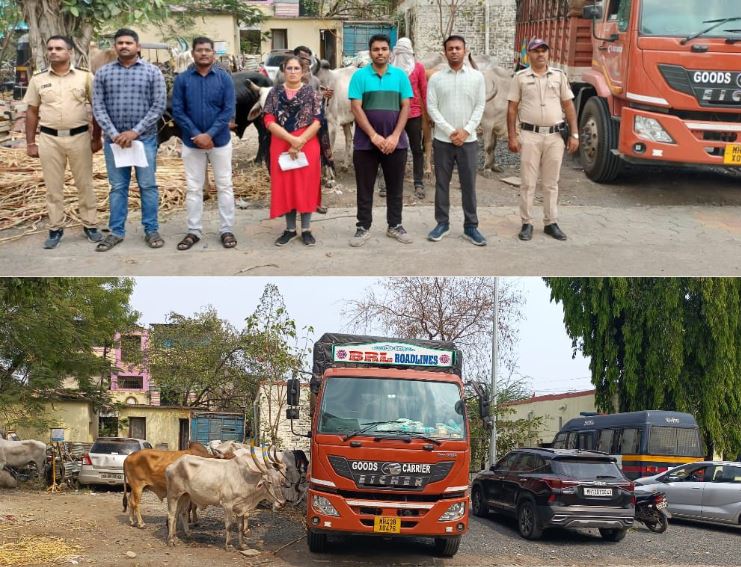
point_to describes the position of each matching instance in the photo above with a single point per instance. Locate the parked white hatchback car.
(104, 463)
(705, 491)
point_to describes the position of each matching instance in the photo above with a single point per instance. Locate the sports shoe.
(93, 234)
(399, 234)
(472, 233)
(55, 237)
(308, 238)
(286, 237)
(437, 233)
(361, 236)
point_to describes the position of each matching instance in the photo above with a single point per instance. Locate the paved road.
(494, 541)
(638, 241)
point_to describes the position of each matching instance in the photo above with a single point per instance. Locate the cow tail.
(125, 499)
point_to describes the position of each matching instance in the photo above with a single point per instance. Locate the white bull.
(295, 461)
(494, 121)
(238, 485)
(19, 454)
(338, 112)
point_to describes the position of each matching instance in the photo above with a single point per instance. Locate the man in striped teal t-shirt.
(379, 96)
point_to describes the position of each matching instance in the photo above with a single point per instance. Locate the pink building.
(130, 361)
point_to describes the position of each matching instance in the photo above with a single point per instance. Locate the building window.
(130, 383)
(138, 427)
(279, 38)
(131, 348)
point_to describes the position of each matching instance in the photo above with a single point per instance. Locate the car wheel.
(527, 520)
(478, 504)
(612, 534)
(447, 546)
(317, 541)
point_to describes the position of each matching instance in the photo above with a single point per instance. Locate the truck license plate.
(598, 492)
(732, 155)
(386, 525)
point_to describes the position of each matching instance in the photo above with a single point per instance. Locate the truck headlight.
(454, 512)
(323, 506)
(650, 129)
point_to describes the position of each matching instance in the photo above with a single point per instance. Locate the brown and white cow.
(146, 469)
(238, 485)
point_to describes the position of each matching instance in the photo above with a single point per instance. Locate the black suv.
(546, 488)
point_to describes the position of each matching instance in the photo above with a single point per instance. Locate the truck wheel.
(317, 541)
(447, 546)
(478, 504)
(527, 520)
(598, 137)
(612, 534)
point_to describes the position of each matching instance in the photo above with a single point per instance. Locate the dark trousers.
(366, 164)
(414, 131)
(445, 156)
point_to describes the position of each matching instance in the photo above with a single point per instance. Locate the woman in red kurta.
(292, 112)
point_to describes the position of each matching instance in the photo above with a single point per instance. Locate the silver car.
(705, 491)
(104, 463)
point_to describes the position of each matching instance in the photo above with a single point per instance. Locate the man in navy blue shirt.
(203, 104)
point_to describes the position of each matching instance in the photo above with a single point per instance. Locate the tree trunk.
(45, 19)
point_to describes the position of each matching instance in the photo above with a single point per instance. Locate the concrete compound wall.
(424, 19)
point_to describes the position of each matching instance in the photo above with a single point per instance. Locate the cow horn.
(260, 467)
(252, 86)
(275, 455)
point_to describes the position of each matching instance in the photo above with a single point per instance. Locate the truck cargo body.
(646, 91)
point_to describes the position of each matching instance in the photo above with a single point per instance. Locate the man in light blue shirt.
(455, 103)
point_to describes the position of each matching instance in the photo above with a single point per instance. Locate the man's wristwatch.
(575, 136)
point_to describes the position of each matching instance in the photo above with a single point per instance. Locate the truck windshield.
(386, 406)
(688, 17)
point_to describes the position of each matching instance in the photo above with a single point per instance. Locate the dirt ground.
(97, 531)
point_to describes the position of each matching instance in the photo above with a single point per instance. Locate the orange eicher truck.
(655, 81)
(390, 451)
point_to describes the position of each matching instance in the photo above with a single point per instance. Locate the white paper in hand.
(133, 155)
(286, 163)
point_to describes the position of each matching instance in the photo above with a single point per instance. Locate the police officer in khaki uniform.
(58, 100)
(538, 99)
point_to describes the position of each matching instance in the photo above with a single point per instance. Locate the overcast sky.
(544, 350)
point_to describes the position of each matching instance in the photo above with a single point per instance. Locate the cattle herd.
(229, 475)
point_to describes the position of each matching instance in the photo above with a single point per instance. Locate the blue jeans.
(120, 178)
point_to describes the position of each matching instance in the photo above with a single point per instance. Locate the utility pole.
(493, 393)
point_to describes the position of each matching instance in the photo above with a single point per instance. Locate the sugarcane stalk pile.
(23, 192)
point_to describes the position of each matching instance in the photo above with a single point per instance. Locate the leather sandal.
(108, 242)
(187, 242)
(228, 240)
(154, 240)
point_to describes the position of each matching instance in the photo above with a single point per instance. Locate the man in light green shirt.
(455, 103)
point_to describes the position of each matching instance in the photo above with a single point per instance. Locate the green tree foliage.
(275, 351)
(198, 361)
(661, 343)
(50, 330)
(203, 361)
(86, 19)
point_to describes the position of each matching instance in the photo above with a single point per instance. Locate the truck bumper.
(356, 515)
(695, 142)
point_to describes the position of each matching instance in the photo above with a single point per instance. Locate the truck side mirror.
(484, 407)
(293, 390)
(592, 12)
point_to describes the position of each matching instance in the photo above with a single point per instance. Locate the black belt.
(64, 133)
(542, 129)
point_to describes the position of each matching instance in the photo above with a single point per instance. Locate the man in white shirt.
(455, 103)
